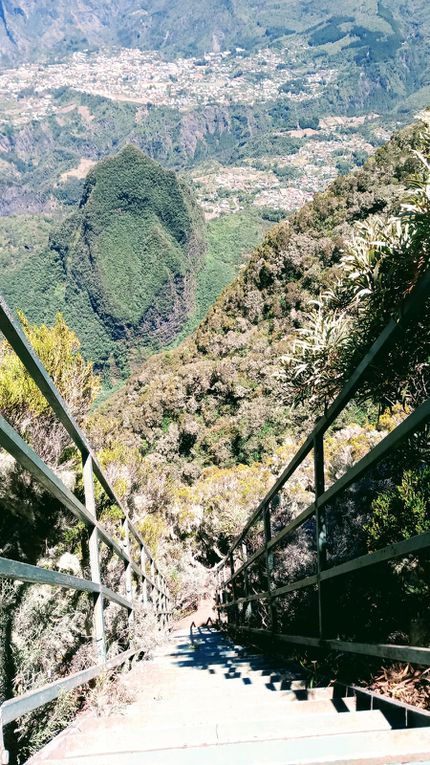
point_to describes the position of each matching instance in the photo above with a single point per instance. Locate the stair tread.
(135, 734)
(236, 711)
(381, 748)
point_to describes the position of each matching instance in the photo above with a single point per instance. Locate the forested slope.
(122, 267)
(219, 398)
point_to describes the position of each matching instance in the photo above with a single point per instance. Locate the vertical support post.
(153, 590)
(234, 591)
(144, 582)
(224, 591)
(163, 602)
(94, 542)
(218, 593)
(159, 601)
(248, 607)
(320, 524)
(269, 565)
(128, 574)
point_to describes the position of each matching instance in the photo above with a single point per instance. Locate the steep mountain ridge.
(122, 267)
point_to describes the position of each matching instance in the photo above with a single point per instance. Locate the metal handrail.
(151, 587)
(235, 564)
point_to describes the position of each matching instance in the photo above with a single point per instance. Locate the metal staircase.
(206, 699)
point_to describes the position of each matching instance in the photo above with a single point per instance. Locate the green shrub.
(401, 512)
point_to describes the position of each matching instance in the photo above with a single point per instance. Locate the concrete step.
(138, 737)
(212, 709)
(206, 679)
(212, 685)
(241, 667)
(379, 748)
(300, 725)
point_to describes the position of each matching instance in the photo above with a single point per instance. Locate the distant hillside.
(48, 27)
(122, 268)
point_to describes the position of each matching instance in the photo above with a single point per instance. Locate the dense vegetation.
(122, 267)
(225, 383)
(220, 416)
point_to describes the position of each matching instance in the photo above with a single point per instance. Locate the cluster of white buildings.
(146, 78)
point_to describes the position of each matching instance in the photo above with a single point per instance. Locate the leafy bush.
(401, 512)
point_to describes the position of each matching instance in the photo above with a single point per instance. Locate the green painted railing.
(143, 581)
(236, 601)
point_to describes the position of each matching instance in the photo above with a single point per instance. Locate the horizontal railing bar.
(24, 454)
(249, 599)
(414, 654)
(25, 572)
(402, 431)
(395, 550)
(390, 552)
(11, 709)
(17, 339)
(410, 307)
(390, 442)
(290, 527)
(288, 472)
(15, 336)
(307, 581)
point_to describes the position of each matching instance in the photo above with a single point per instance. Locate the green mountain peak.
(122, 267)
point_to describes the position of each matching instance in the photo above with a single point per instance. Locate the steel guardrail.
(238, 562)
(150, 586)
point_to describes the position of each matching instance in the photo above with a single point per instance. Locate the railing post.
(144, 582)
(248, 607)
(94, 550)
(153, 590)
(234, 591)
(269, 564)
(224, 590)
(159, 600)
(320, 524)
(128, 574)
